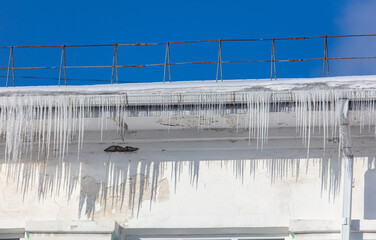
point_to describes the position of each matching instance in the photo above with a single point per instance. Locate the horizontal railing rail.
(167, 63)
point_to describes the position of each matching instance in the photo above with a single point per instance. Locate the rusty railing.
(167, 64)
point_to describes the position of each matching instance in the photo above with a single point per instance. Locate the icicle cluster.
(51, 123)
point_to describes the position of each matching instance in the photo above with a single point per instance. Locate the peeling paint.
(187, 121)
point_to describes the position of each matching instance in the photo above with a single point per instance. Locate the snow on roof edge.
(286, 84)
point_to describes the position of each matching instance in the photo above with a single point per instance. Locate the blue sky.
(105, 22)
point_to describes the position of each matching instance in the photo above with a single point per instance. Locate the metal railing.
(167, 63)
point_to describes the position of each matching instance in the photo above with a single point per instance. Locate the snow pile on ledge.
(348, 82)
(50, 117)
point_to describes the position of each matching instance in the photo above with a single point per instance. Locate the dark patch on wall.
(116, 148)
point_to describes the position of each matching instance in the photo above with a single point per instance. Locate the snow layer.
(346, 82)
(51, 117)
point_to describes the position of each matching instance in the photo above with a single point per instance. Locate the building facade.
(199, 160)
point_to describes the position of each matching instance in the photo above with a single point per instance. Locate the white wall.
(183, 177)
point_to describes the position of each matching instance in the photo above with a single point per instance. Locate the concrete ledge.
(314, 226)
(300, 226)
(365, 226)
(101, 230)
(68, 236)
(71, 226)
(12, 233)
(259, 231)
(11, 229)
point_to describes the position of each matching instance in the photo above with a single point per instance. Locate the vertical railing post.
(219, 66)
(272, 63)
(65, 67)
(114, 66)
(9, 64)
(326, 58)
(61, 63)
(14, 83)
(167, 62)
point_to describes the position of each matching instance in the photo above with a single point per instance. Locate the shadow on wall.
(370, 194)
(118, 184)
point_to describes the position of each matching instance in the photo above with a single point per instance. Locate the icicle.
(50, 122)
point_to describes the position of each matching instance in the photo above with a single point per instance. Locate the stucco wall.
(182, 177)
